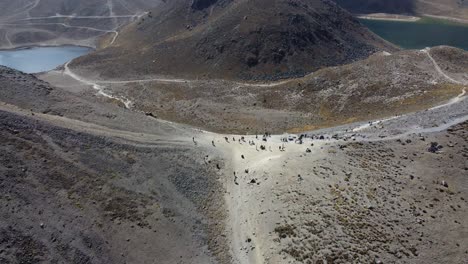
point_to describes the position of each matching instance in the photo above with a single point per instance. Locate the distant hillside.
(380, 86)
(449, 8)
(260, 39)
(54, 22)
(378, 6)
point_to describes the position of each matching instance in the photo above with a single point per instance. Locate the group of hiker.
(291, 138)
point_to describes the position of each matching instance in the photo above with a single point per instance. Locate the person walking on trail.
(212, 142)
(194, 142)
(235, 179)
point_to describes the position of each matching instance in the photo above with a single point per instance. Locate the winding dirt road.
(85, 127)
(439, 70)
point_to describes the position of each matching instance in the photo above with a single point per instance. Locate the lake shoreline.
(37, 59)
(388, 17)
(428, 32)
(450, 19)
(407, 18)
(28, 47)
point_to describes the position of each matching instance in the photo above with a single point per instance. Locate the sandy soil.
(453, 19)
(279, 200)
(390, 17)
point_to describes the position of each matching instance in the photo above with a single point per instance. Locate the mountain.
(68, 195)
(457, 9)
(55, 22)
(378, 6)
(259, 39)
(83, 180)
(380, 86)
(98, 170)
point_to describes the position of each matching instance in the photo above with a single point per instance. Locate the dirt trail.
(250, 244)
(127, 102)
(77, 17)
(26, 10)
(452, 101)
(439, 70)
(98, 130)
(168, 80)
(245, 163)
(8, 39)
(454, 19)
(59, 24)
(96, 87)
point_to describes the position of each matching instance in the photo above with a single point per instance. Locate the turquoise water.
(39, 59)
(424, 33)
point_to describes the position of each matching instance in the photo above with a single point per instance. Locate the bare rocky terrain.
(66, 22)
(328, 97)
(225, 39)
(75, 192)
(389, 201)
(363, 162)
(114, 185)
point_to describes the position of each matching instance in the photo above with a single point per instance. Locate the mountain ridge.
(251, 40)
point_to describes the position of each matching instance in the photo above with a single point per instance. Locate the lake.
(426, 32)
(39, 59)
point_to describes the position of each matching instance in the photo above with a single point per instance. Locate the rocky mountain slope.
(235, 40)
(76, 189)
(55, 22)
(382, 85)
(99, 163)
(84, 180)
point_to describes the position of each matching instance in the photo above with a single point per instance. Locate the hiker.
(212, 142)
(235, 179)
(227, 139)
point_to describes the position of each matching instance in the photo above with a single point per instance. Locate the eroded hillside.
(254, 40)
(59, 22)
(382, 85)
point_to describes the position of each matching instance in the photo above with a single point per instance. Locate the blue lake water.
(424, 33)
(39, 59)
